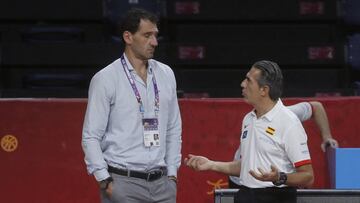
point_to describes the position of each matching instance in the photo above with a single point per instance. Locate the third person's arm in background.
(314, 109)
(322, 122)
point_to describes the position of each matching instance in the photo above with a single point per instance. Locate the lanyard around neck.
(131, 79)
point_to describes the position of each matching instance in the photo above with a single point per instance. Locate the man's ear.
(127, 36)
(265, 90)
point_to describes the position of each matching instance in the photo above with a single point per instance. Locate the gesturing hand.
(271, 176)
(198, 163)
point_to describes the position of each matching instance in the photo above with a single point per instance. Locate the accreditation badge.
(151, 132)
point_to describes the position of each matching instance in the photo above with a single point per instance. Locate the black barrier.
(303, 196)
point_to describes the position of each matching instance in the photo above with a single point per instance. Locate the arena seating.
(302, 36)
(306, 38)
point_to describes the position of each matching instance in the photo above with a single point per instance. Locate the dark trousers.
(265, 195)
(233, 185)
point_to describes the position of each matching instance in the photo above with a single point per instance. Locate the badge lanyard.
(131, 79)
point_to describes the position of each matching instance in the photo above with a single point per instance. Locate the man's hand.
(109, 189)
(271, 176)
(329, 142)
(198, 163)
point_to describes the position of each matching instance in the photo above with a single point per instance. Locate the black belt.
(148, 176)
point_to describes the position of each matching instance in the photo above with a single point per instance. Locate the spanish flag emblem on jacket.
(270, 130)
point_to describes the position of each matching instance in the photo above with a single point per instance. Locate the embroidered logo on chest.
(269, 130)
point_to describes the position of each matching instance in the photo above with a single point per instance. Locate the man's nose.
(154, 41)
(242, 84)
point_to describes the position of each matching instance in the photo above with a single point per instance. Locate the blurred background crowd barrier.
(42, 160)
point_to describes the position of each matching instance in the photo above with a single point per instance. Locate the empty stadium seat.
(55, 81)
(353, 46)
(218, 54)
(265, 33)
(350, 11)
(115, 9)
(225, 82)
(45, 10)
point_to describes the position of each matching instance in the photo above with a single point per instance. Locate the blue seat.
(353, 49)
(351, 12)
(55, 81)
(115, 9)
(53, 34)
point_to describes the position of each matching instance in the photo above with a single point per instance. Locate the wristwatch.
(281, 180)
(173, 178)
(105, 183)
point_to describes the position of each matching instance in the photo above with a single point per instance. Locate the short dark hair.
(271, 76)
(132, 18)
